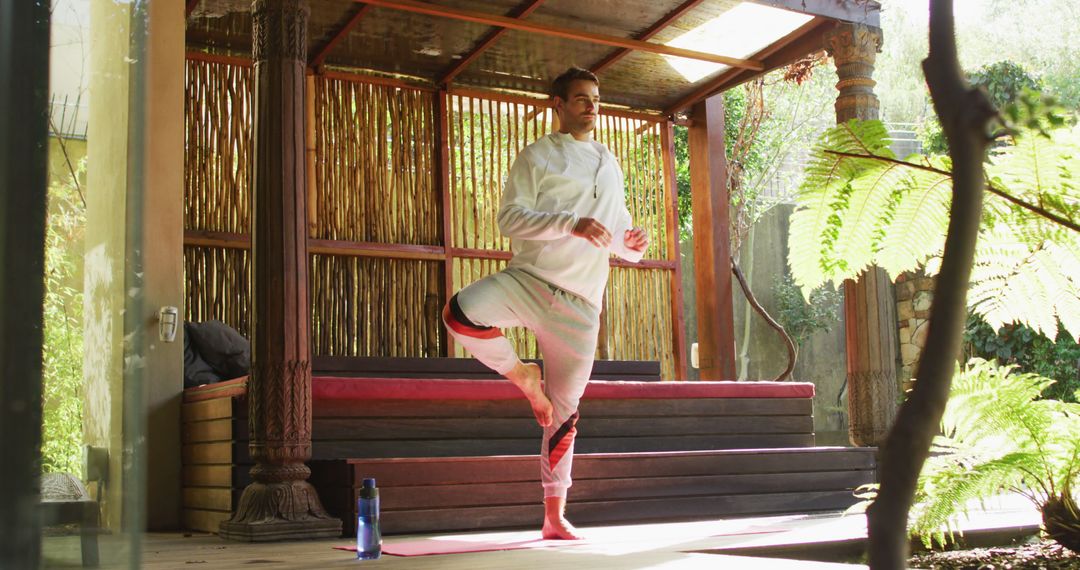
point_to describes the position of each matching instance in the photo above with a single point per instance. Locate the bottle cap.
(368, 489)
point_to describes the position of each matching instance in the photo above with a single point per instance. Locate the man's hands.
(636, 239)
(598, 235)
(592, 230)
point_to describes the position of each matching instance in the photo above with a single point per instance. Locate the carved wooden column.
(869, 302)
(280, 503)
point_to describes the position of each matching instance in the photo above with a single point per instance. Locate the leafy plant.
(1029, 351)
(1004, 81)
(997, 435)
(861, 206)
(62, 400)
(801, 317)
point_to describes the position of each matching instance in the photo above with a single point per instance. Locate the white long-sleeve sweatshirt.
(553, 183)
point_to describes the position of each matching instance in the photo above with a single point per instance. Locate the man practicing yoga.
(564, 210)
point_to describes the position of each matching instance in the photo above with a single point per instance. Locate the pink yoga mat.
(430, 546)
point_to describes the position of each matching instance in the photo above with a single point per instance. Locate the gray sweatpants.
(566, 328)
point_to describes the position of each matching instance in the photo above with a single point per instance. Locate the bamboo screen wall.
(381, 269)
(217, 155)
(375, 183)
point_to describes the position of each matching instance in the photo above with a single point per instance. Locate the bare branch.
(67, 159)
(965, 114)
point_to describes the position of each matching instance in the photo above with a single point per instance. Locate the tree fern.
(916, 231)
(997, 436)
(860, 206)
(1040, 169)
(824, 199)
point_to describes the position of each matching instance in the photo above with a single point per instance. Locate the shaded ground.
(1043, 555)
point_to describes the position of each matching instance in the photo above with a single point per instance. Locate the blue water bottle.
(368, 534)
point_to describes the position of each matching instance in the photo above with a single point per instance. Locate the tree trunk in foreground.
(964, 113)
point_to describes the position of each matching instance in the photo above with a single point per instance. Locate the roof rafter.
(557, 31)
(856, 11)
(804, 40)
(320, 56)
(487, 41)
(648, 33)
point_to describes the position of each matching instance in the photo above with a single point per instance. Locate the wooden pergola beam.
(858, 12)
(648, 33)
(487, 41)
(561, 32)
(320, 56)
(804, 40)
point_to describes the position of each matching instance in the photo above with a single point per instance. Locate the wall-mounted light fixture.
(168, 321)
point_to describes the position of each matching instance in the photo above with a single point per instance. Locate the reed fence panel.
(364, 306)
(217, 283)
(484, 137)
(638, 317)
(217, 146)
(374, 166)
(636, 145)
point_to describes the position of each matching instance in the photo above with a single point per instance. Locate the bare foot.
(560, 529)
(556, 527)
(527, 378)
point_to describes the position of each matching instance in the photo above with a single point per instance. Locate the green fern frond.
(956, 485)
(998, 436)
(1063, 263)
(868, 205)
(855, 211)
(839, 202)
(1040, 169)
(916, 231)
(1035, 285)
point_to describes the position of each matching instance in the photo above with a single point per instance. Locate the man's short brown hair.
(561, 86)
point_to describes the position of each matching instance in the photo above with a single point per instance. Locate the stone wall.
(914, 294)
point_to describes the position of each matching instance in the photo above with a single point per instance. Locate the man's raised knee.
(459, 323)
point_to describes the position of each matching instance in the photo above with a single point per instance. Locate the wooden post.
(678, 316)
(442, 140)
(869, 303)
(280, 503)
(24, 83)
(712, 240)
(161, 377)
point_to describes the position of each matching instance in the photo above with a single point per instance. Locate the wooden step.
(469, 493)
(620, 418)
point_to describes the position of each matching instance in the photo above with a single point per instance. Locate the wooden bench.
(355, 419)
(465, 368)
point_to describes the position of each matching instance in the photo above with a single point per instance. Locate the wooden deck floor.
(701, 544)
(668, 545)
